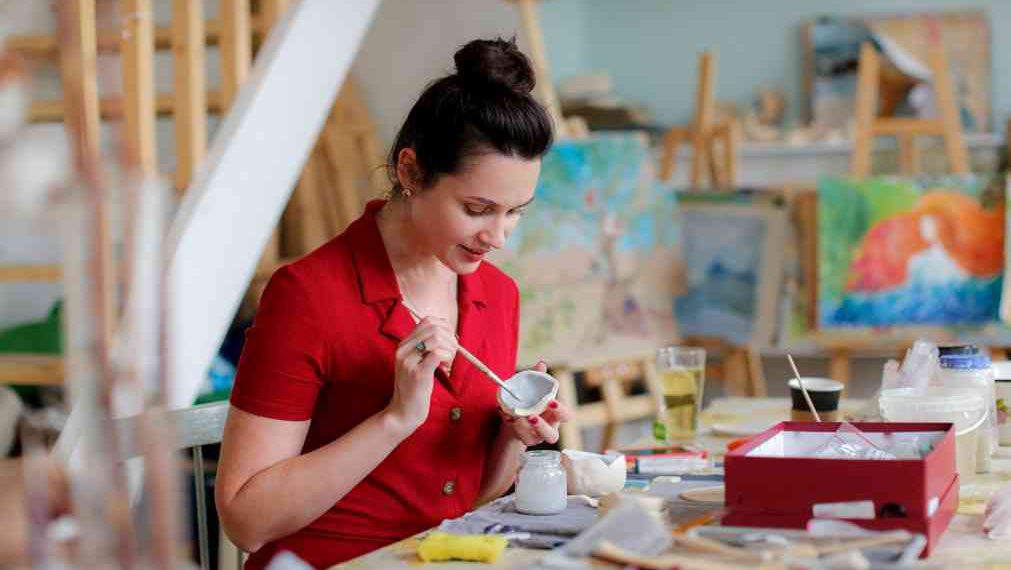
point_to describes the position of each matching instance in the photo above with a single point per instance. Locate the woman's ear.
(408, 170)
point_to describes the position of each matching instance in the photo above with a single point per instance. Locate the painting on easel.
(832, 49)
(596, 254)
(732, 247)
(897, 252)
(1005, 300)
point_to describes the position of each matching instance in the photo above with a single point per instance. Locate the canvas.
(895, 251)
(1005, 300)
(832, 50)
(733, 258)
(595, 254)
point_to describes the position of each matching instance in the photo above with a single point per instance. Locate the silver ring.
(420, 347)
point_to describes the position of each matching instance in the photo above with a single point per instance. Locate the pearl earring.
(407, 192)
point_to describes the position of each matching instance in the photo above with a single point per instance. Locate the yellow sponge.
(439, 546)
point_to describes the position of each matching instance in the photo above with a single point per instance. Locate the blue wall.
(650, 47)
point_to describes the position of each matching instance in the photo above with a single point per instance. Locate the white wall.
(412, 43)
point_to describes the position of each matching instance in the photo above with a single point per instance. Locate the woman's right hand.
(415, 370)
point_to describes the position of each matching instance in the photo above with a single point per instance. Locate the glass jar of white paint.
(540, 485)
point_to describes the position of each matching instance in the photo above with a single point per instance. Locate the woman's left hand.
(532, 430)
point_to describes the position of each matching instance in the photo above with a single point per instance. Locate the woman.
(353, 425)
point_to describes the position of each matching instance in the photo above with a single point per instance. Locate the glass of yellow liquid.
(682, 372)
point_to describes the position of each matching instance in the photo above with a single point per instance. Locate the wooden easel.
(868, 125)
(905, 130)
(614, 379)
(704, 134)
(615, 407)
(334, 173)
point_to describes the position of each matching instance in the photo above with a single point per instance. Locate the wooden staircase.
(339, 175)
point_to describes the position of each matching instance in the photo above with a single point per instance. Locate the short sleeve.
(282, 367)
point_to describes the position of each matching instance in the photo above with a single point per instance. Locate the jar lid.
(542, 457)
(965, 361)
(957, 349)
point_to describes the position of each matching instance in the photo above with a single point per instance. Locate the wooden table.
(962, 546)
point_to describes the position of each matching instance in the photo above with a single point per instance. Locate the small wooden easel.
(703, 135)
(616, 406)
(614, 378)
(869, 125)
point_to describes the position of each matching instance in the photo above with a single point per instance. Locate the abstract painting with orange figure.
(896, 251)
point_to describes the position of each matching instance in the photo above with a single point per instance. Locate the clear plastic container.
(963, 407)
(971, 369)
(541, 484)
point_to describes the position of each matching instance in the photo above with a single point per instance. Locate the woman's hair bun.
(496, 61)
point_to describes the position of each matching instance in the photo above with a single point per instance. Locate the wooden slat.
(839, 366)
(865, 111)
(756, 374)
(672, 140)
(304, 221)
(544, 85)
(78, 73)
(908, 163)
(340, 153)
(272, 11)
(905, 126)
(236, 47)
(947, 108)
(272, 252)
(165, 105)
(704, 109)
(189, 60)
(15, 273)
(137, 51)
(39, 46)
(41, 370)
(326, 197)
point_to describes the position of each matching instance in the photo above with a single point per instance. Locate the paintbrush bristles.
(807, 398)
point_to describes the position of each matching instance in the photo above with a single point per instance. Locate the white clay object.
(593, 474)
(535, 390)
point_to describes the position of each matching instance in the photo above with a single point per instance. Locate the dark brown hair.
(484, 107)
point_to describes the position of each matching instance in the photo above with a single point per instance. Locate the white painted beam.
(240, 192)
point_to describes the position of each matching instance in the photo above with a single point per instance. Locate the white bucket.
(963, 407)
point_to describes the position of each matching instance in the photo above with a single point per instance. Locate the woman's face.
(463, 216)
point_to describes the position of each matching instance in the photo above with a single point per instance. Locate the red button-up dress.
(322, 349)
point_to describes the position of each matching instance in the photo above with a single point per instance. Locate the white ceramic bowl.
(535, 389)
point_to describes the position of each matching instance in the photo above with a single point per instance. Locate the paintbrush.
(470, 357)
(807, 398)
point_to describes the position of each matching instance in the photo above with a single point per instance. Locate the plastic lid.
(965, 361)
(961, 406)
(958, 349)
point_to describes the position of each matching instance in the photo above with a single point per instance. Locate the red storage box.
(919, 495)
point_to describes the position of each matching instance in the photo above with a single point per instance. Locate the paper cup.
(824, 393)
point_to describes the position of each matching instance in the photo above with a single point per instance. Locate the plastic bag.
(848, 442)
(919, 368)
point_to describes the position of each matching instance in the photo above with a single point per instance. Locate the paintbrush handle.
(483, 368)
(480, 365)
(470, 357)
(803, 390)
